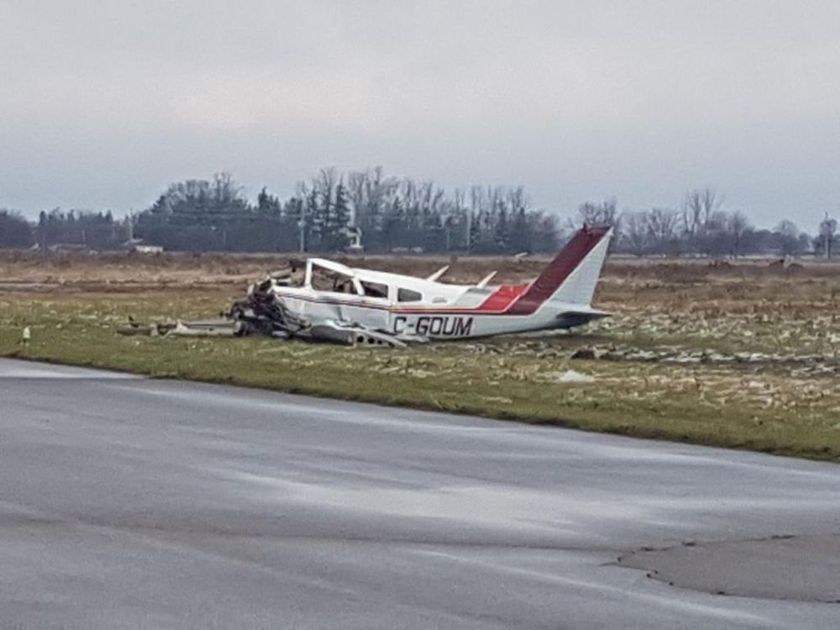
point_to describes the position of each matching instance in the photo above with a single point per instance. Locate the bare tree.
(517, 199)
(635, 230)
(788, 236)
(736, 226)
(662, 229)
(370, 194)
(604, 213)
(225, 189)
(357, 188)
(699, 208)
(325, 184)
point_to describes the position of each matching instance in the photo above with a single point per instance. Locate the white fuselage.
(332, 293)
(433, 321)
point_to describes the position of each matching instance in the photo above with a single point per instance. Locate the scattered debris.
(261, 313)
(136, 328)
(214, 328)
(571, 376)
(802, 363)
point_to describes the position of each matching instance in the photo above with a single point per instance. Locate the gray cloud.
(103, 103)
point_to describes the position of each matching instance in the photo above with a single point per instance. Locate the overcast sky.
(102, 104)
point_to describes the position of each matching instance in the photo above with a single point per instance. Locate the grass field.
(742, 356)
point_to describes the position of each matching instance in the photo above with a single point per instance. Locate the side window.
(374, 289)
(407, 295)
(343, 284)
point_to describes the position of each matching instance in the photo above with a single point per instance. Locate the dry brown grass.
(117, 270)
(746, 355)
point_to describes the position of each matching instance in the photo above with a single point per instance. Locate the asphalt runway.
(135, 503)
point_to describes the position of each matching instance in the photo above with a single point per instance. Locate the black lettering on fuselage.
(437, 326)
(463, 326)
(422, 327)
(449, 326)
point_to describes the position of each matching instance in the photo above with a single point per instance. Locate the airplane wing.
(437, 274)
(486, 279)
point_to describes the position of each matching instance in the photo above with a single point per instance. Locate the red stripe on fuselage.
(495, 304)
(414, 310)
(503, 297)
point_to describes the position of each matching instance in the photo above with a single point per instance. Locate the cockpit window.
(329, 280)
(374, 289)
(407, 295)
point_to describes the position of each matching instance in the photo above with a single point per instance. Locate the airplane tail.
(572, 275)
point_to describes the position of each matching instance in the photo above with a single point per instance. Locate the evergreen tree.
(268, 205)
(313, 222)
(15, 231)
(42, 231)
(520, 239)
(392, 227)
(337, 221)
(501, 231)
(474, 227)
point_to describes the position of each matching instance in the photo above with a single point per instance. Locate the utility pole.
(302, 226)
(828, 227)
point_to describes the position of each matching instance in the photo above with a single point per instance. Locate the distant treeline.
(401, 214)
(393, 214)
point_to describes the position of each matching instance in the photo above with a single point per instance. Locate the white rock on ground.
(572, 376)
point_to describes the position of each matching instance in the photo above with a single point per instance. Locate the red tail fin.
(559, 269)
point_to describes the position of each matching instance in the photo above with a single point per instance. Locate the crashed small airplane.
(328, 301)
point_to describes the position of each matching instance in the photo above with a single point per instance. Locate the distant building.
(354, 240)
(138, 246)
(148, 249)
(68, 247)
